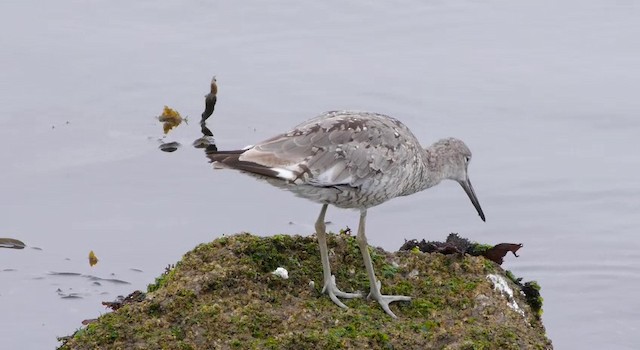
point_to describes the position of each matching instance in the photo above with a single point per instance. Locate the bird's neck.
(434, 171)
(425, 175)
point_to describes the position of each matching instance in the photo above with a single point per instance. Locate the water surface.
(543, 92)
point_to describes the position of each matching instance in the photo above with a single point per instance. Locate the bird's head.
(454, 158)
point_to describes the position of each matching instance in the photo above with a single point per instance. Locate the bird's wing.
(336, 148)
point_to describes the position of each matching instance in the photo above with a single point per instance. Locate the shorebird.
(352, 160)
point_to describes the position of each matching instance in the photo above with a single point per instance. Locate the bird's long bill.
(466, 185)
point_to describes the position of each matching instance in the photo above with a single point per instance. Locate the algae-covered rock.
(223, 295)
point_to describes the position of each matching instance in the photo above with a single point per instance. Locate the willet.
(352, 160)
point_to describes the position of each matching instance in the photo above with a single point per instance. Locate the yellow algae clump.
(93, 259)
(170, 119)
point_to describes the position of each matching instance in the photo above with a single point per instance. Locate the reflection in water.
(207, 140)
(95, 282)
(204, 142)
(71, 295)
(172, 119)
(88, 277)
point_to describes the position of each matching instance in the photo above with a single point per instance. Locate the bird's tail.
(231, 160)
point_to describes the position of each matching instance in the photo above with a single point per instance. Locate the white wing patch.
(336, 175)
(285, 174)
(331, 176)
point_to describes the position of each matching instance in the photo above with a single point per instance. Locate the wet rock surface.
(223, 295)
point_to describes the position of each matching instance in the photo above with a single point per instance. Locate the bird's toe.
(334, 293)
(385, 300)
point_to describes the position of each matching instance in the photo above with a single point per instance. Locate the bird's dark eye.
(467, 159)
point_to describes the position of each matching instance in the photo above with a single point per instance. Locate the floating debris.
(207, 141)
(11, 243)
(169, 146)
(210, 100)
(93, 259)
(171, 119)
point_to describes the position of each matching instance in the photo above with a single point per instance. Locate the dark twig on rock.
(136, 296)
(456, 244)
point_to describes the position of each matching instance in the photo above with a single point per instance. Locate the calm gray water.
(545, 93)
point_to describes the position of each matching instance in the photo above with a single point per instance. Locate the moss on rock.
(222, 295)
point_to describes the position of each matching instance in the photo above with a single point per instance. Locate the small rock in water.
(204, 142)
(169, 146)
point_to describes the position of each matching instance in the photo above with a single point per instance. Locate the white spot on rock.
(281, 272)
(501, 285)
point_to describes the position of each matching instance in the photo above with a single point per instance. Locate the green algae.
(478, 249)
(222, 295)
(531, 292)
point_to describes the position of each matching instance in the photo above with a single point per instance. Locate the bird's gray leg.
(329, 285)
(383, 300)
